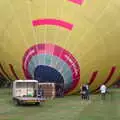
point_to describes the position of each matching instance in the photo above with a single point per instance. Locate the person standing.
(40, 92)
(103, 90)
(83, 92)
(87, 91)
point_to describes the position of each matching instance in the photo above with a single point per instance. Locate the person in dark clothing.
(59, 90)
(83, 92)
(40, 92)
(87, 91)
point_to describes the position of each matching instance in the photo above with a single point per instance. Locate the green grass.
(67, 108)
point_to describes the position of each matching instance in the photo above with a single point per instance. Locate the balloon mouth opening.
(45, 73)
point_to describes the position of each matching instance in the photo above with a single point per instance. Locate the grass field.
(67, 108)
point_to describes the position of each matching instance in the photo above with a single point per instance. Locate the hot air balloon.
(63, 41)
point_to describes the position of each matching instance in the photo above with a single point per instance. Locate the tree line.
(5, 83)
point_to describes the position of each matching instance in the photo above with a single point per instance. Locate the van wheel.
(16, 102)
(37, 103)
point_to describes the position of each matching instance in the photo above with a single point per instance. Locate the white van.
(26, 92)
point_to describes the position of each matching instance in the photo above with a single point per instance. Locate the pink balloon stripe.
(52, 22)
(80, 2)
(93, 77)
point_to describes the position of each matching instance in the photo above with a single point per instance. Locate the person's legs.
(85, 96)
(88, 95)
(82, 96)
(103, 96)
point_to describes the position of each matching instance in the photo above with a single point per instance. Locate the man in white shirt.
(103, 90)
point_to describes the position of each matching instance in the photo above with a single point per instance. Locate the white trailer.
(26, 92)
